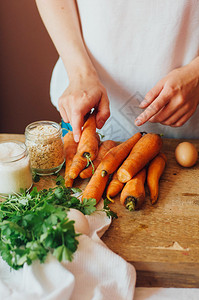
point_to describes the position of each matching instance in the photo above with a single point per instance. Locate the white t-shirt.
(133, 44)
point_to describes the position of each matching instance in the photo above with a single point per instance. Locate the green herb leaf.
(76, 190)
(62, 253)
(34, 223)
(88, 206)
(108, 211)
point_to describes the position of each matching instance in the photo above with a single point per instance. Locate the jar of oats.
(45, 146)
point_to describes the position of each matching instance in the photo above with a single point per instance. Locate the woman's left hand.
(174, 99)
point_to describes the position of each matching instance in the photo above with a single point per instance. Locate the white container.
(15, 172)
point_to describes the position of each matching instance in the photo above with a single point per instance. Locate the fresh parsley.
(34, 223)
(87, 205)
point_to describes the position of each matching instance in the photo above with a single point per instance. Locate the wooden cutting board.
(161, 241)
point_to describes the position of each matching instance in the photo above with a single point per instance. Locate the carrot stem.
(89, 161)
(104, 173)
(130, 203)
(86, 154)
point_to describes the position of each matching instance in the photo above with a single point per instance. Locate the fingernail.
(76, 138)
(138, 122)
(100, 123)
(143, 103)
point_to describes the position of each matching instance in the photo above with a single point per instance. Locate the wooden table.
(161, 241)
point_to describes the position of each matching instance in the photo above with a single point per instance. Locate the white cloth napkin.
(96, 273)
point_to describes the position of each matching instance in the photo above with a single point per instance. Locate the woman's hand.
(83, 93)
(174, 99)
(85, 90)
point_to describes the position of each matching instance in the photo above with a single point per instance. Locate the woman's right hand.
(84, 93)
(85, 90)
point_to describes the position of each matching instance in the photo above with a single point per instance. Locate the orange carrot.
(88, 144)
(114, 187)
(116, 155)
(78, 164)
(87, 148)
(143, 151)
(103, 149)
(133, 193)
(70, 148)
(155, 170)
(96, 186)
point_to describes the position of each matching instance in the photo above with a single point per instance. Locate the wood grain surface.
(161, 241)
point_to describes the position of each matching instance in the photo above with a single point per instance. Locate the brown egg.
(186, 154)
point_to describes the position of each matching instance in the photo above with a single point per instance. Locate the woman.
(137, 62)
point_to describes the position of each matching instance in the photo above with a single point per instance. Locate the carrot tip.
(109, 199)
(153, 201)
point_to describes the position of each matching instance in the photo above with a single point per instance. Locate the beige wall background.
(27, 57)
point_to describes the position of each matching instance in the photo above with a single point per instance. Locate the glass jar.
(45, 146)
(15, 172)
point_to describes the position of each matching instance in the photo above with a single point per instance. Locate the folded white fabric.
(96, 273)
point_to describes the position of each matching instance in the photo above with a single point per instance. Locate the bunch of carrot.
(130, 164)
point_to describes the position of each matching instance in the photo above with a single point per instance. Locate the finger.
(151, 95)
(77, 120)
(153, 108)
(171, 108)
(181, 121)
(178, 116)
(103, 111)
(62, 110)
(175, 115)
(64, 115)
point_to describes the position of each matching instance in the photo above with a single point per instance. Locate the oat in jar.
(45, 146)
